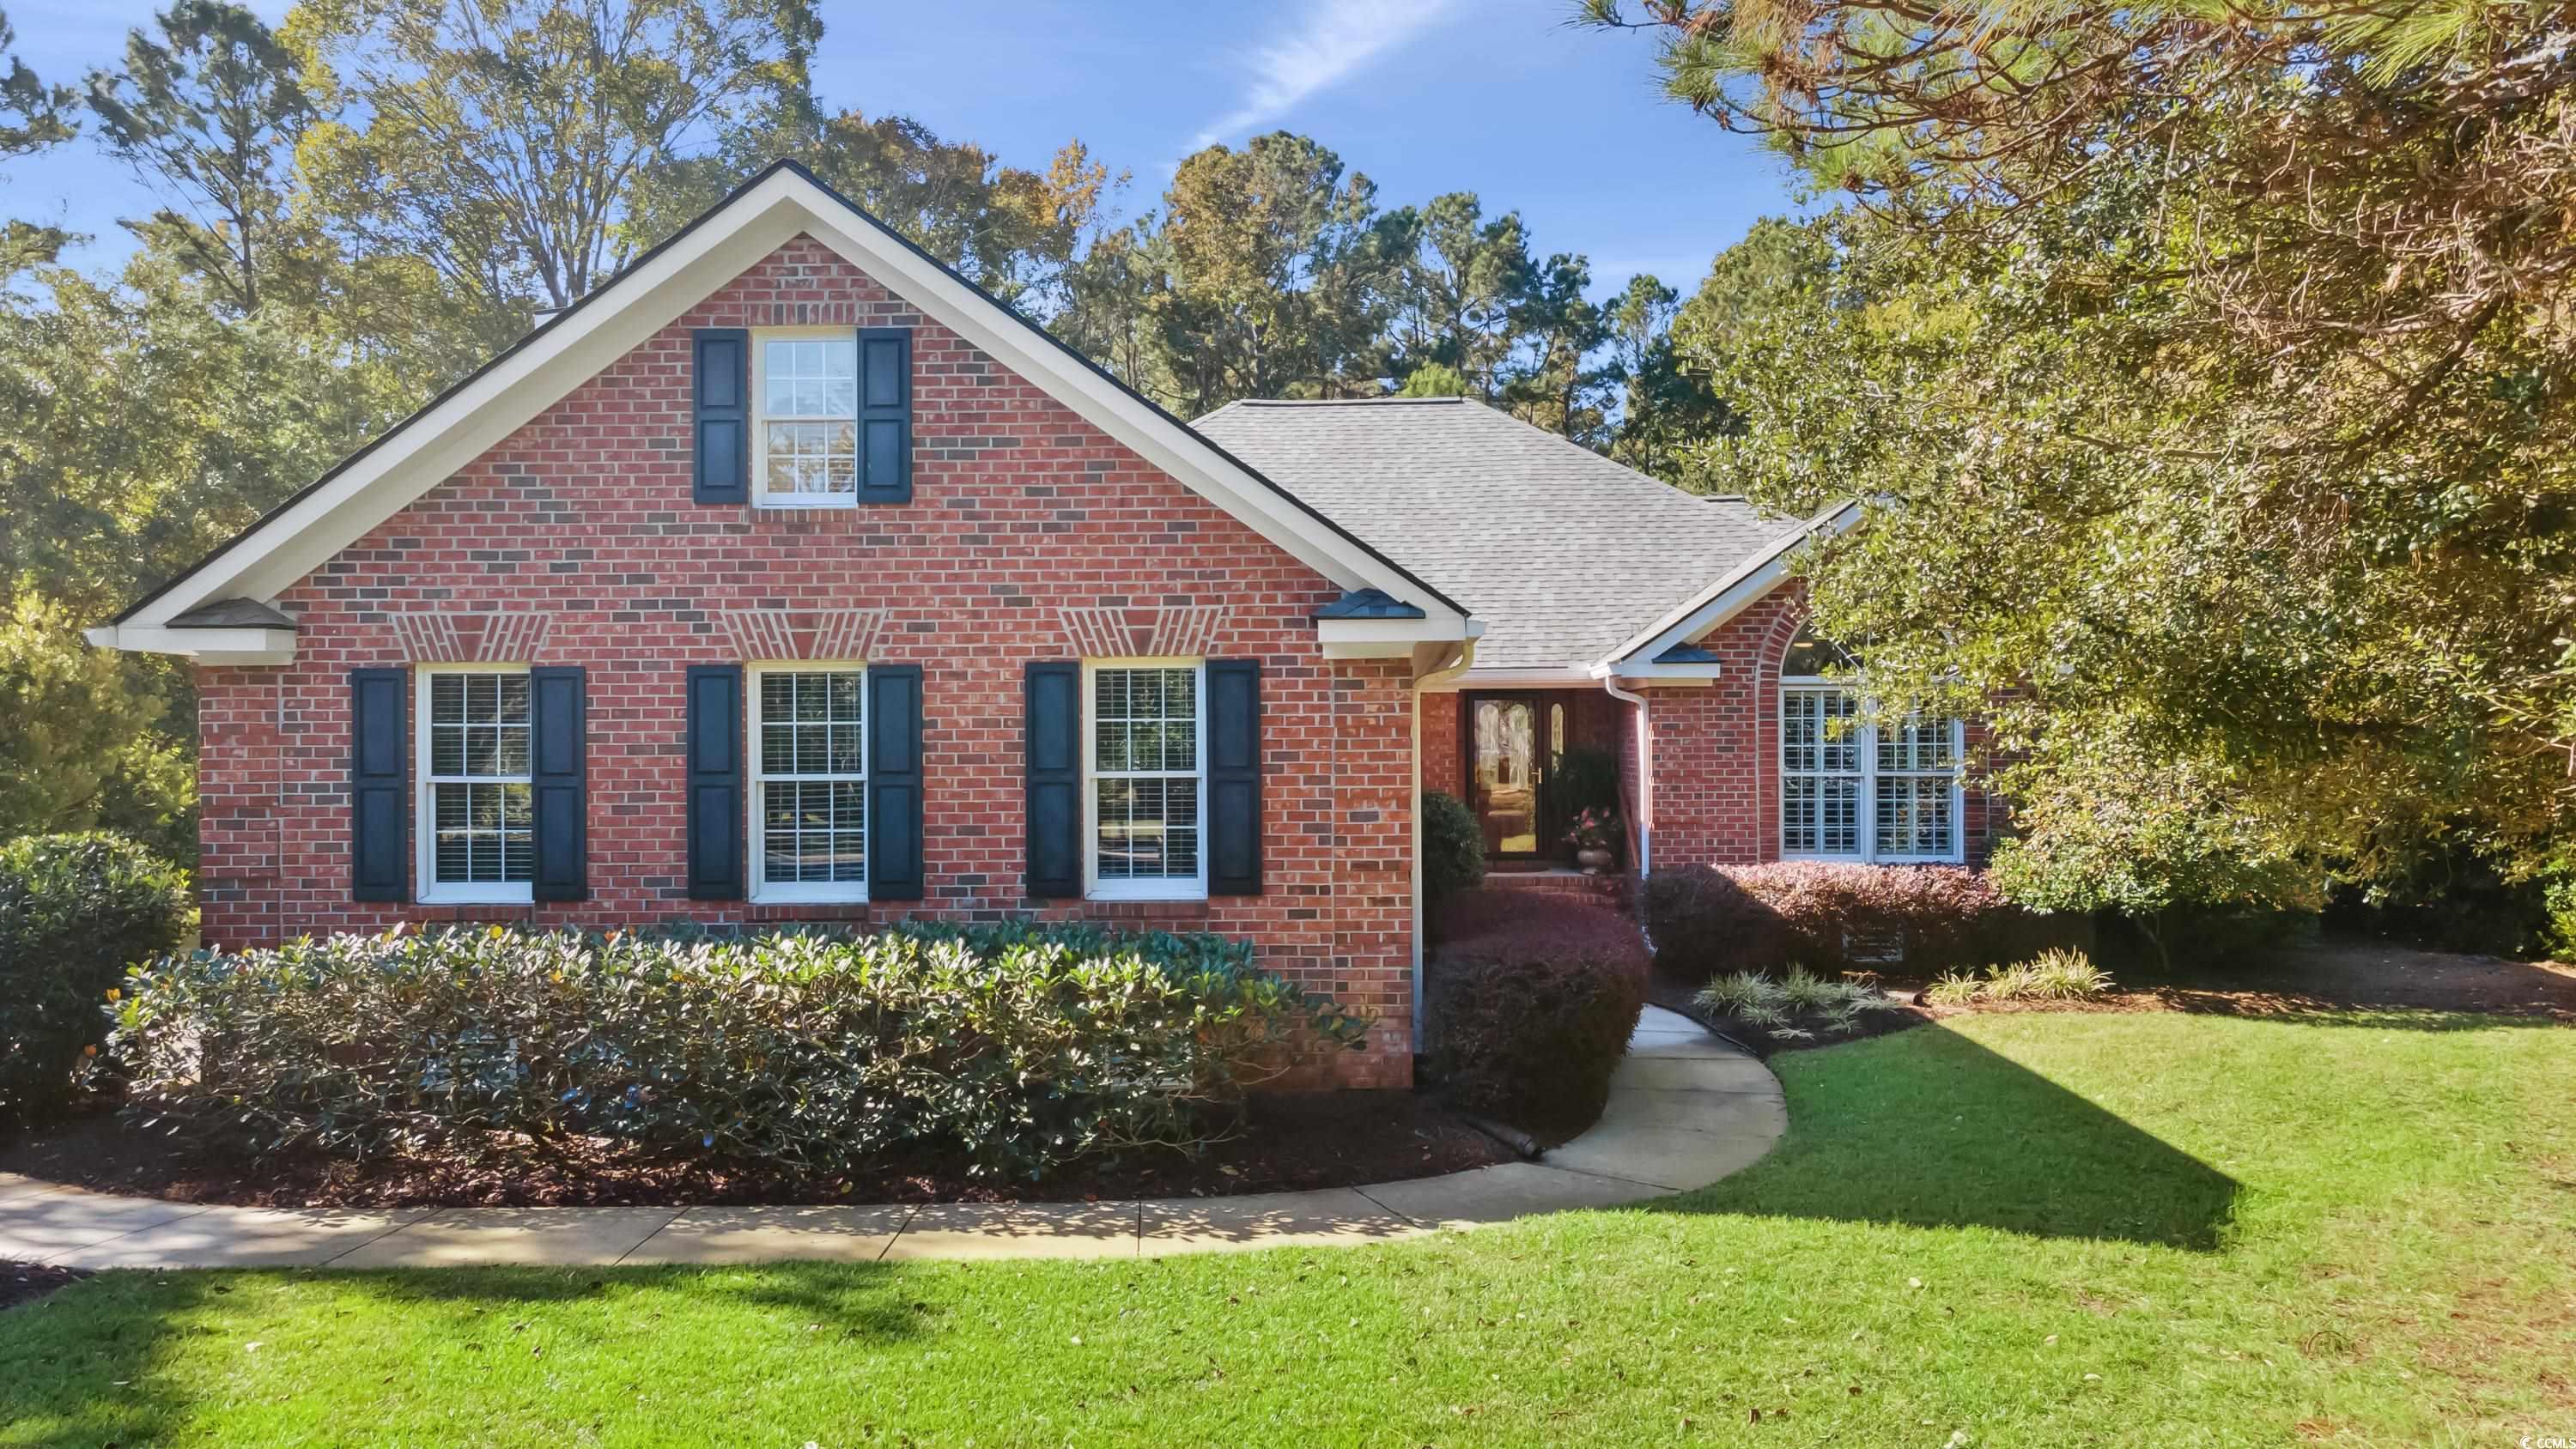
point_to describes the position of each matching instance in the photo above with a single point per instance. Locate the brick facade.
(576, 542)
(1716, 749)
(1713, 751)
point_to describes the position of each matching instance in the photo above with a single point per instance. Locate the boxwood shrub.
(75, 910)
(808, 1054)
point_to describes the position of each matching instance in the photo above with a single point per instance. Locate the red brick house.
(789, 577)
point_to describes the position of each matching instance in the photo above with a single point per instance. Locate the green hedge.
(75, 910)
(1453, 848)
(805, 1053)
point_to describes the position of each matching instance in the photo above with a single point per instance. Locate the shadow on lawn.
(1929, 1129)
(83, 1367)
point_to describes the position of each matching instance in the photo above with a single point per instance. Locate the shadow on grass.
(1928, 1129)
(93, 1364)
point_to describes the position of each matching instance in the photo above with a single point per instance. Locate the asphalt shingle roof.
(1562, 552)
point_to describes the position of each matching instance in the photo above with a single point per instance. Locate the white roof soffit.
(1721, 601)
(484, 410)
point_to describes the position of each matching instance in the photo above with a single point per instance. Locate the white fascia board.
(577, 346)
(1390, 638)
(1659, 674)
(206, 646)
(1729, 596)
(1538, 677)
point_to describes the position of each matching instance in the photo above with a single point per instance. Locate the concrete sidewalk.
(1685, 1110)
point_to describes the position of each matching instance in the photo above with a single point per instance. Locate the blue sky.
(1424, 96)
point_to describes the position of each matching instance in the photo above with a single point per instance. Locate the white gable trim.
(482, 412)
(1721, 601)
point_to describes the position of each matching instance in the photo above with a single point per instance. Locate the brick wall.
(1716, 749)
(576, 543)
(1441, 769)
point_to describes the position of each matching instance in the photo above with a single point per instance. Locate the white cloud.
(1332, 41)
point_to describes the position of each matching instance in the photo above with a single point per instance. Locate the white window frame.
(1865, 737)
(1163, 888)
(763, 891)
(425, 799)
(761, 337)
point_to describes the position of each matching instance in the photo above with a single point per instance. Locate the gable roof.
(1563, 553)
(783, 201)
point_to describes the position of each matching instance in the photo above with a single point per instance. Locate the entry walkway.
(1685, 1110)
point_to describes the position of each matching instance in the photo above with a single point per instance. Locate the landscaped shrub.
(1453, 848)
(75, 910)
(1016, 1047)
(1532, 1000)
(1797, 1006)
(1827, 915)
(2049, 976)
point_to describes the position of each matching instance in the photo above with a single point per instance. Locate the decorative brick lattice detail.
(1098, 633)
(759, 634)
(1184, 629)
(1189, 629)
(488, 638)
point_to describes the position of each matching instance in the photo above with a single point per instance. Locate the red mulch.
(1290, 1142)
(27, 1282)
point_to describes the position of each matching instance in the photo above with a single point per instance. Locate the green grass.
(2033, 1229)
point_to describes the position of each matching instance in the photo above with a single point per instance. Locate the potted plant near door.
(1592, 834)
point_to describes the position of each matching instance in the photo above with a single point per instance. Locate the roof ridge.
(1337, 402)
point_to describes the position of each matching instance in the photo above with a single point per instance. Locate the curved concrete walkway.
(1685, 1110)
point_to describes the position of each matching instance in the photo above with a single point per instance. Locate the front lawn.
(2038, 1229)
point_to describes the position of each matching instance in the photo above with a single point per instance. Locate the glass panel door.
(1503, 735)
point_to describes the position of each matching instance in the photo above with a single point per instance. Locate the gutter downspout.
(1449, 668)
(1644, 813)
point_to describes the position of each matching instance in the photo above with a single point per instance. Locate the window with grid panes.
(1146, 782)
(809, 409)
(809, 784)
(474, 776)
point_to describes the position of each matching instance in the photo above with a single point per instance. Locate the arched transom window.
(1851, 790)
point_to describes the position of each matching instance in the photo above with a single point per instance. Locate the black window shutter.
(885, 415)
(558, 776)
(715, 782)
(1234, 777)
(720, 416)
(894, 782)
(1052, 730)
(379, 805)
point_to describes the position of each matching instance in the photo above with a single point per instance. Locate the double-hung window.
(807, 442)
(809, 783)
(1851, 790)
(1146, 745)
(476, 795)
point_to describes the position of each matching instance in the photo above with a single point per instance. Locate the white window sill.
(808, 895)
(790, 502)
(1165, 891)
(455, 895)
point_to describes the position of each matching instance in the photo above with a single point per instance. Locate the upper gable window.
(807, 381)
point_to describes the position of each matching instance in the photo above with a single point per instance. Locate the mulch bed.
(2335, 975)
(1678, 996)
(1290, 1142)
(27, 1282)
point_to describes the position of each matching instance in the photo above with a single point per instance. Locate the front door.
(1506, 772)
